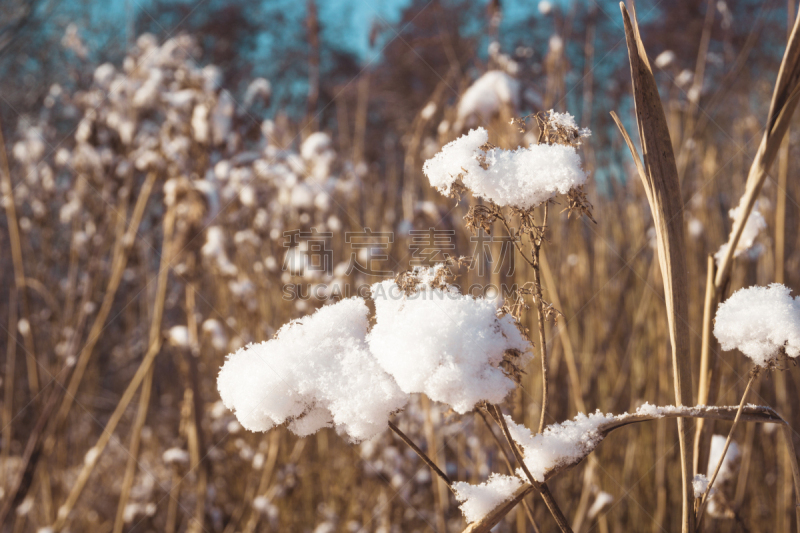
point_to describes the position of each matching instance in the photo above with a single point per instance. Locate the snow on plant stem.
(479, 500)
(761, 322)
(559, 444)
(523, 178)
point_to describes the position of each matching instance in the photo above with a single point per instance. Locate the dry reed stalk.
(659, 176)
(575, 388)
(747, 414)
(7, 194)
(266, 475)
(440, 497)
(172, 505)
(121, 250)
(143, 370)
(782, 106)
(507, 460)
(8, 385)
(780, 210)
(141, 416)
(542, 488)
(312, 27)
(41, 441)
(702, 438)
(536, 244)
(696, 89)
(133, 451)
(197, 447)
(422, 455)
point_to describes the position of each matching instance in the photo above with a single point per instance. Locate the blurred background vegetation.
(161, 245)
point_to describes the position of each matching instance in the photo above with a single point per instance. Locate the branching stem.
(422, 455)
(547, 496)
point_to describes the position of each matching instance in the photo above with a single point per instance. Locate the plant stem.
(547, 496)
(704, 500)
(536, 242)
(507, 459)
(422, 455)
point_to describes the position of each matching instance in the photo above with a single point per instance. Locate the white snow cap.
(435, 340)
(487, 95)
(317, 373)
(755, 224)
(522, 178)
(479, 500)
(559, 444)
(760, 321)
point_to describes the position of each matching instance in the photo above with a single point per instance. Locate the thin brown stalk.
(536, 242)
(422, 455)
(7, 192)
(133, 386)
(542, 488)
(117, 269)
(704, 500)
(507, 460)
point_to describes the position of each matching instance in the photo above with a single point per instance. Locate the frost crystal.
(435, 340)
(559, 444)
(317, 373)
(522, 178)
(479, 500)
(760, 322)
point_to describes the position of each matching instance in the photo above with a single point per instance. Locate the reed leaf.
(659, 176)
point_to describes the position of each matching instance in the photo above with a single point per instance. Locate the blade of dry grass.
(660, 179)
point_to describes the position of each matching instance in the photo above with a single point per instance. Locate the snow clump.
(523, 178)
(316, 373)
(451, 346)
(760, 322)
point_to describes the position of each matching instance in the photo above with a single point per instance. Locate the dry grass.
(109, 307)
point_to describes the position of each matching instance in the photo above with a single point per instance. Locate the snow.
(488, 95)
(524, 178)
(602, 501)
(443, 343)
(479, 500)
(665, 59)
(755, 224)
(560, 444)
(175, 456)
(760, 322)
(699, 484)
(729, 467)
(317, 373)
(178, 336)
(214, 250)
